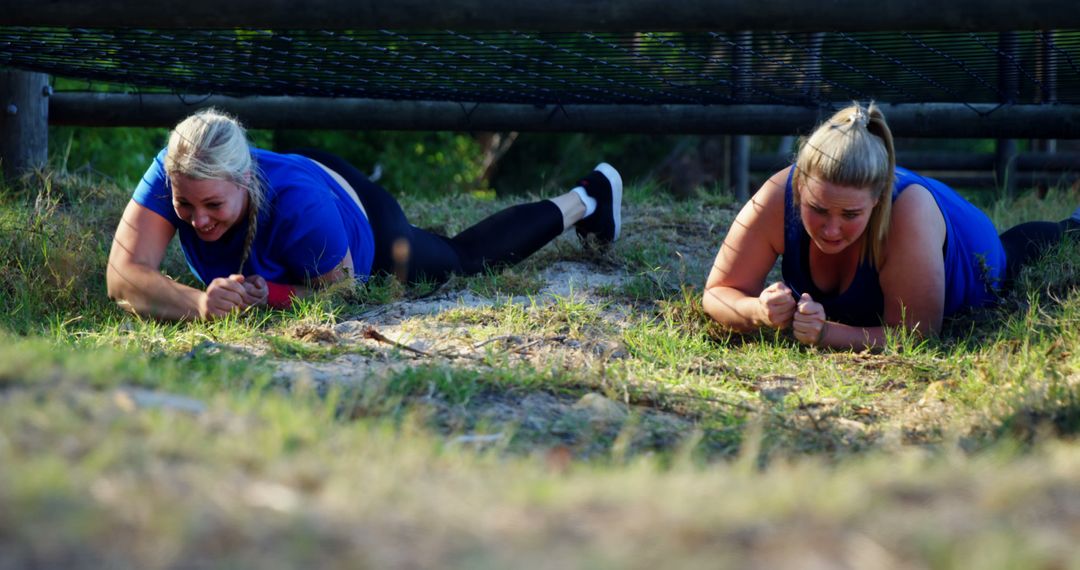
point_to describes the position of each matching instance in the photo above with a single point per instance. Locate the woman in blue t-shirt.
(866, 246)
(258, 227)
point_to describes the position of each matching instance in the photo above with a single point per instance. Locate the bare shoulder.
(914, 198)
(916, 220)
(915, 204)
(772, 191)
(764, 212)
(753, 241)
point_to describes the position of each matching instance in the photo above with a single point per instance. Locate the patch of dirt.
(583, 426)
(410, 335)
(390, 338)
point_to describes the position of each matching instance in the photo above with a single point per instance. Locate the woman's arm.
(841, 336)
(912, 274)
(135, 282)
(735, 292)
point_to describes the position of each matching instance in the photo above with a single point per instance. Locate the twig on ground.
(496, 339)
(809, 414)
(374, 334)
(528, 345)
(714, 400)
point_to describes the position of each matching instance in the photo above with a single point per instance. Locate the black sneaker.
(604, 185)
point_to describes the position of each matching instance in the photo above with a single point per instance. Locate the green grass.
(496, 283)
(612, 426)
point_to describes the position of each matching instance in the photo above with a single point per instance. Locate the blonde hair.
(853, 148)
(212, 145)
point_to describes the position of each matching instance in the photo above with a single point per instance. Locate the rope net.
(809, 69)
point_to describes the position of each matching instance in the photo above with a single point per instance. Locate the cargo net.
(808, 69)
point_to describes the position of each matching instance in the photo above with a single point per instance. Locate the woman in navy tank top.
(866, 246)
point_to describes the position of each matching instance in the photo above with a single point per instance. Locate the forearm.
(844, 336)
(839, 335)
(733, 308)
(147, 292)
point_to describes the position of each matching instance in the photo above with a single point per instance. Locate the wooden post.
(1005, 149)
(24, 121)
(1048, 77)
(740, 144)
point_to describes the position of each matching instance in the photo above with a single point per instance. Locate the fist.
(777, 304)
(255, 290)
(223, 296)
(808, 322)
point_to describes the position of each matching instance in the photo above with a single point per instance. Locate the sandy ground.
(412, 334)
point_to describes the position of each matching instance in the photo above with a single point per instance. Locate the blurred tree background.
(430, 164)
(408, 163)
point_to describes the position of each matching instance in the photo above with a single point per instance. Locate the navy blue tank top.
(974, 258)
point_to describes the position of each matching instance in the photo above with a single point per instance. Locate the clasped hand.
(781, 310)
(233, 293)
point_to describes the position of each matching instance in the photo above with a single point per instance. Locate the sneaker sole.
(615, 180)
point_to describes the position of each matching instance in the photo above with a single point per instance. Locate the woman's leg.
(414, 254)
(1025, 243)
(509, 236)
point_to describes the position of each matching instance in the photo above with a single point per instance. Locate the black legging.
(1024, 243)
(501, 239)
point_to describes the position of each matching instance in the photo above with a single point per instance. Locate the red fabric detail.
(279, 296)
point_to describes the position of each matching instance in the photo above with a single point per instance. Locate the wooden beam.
(24, 121)
(551, 15)
(949, 161)
(943, 120)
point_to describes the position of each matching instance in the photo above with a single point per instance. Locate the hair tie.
(859, 117)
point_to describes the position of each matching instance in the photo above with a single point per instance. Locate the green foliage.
(123, 154)
(415, 164)
(543, 164)
(1055, 205)
(509, 282)
(564, 316)
(51, 232)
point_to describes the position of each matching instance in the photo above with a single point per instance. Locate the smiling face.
(211, 206)
(835, 216)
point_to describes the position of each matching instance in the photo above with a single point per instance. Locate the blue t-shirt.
(306, 226)
(974, 258)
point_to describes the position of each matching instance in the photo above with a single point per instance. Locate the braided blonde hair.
(211, 145)
(854, 148)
